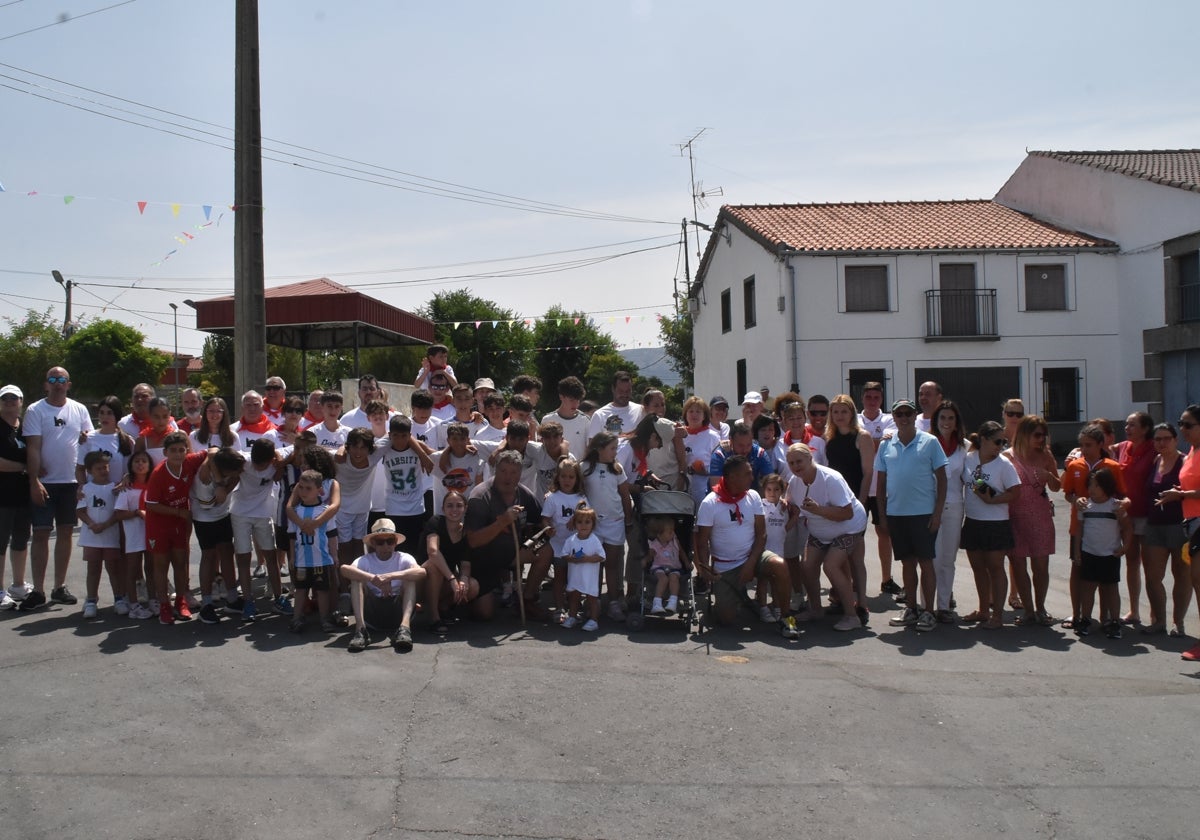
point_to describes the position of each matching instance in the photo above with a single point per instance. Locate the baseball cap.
(903, 402)
(484, 382)
(752, 398)
(718, 400)
(12, 390)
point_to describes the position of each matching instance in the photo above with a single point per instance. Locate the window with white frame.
(867, 288)
(1046, 287)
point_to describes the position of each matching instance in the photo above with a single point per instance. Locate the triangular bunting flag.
(141, 208)
(1, 187)
(174, 209)
(627, 319)
(207, 211)
(494, 323)
(577, 322)
(529, 322)
(457, 324)
(477, 323)
(67, 199)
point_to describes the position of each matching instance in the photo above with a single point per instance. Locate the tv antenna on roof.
(699, 194)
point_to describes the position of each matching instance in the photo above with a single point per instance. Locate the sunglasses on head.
(57, 380)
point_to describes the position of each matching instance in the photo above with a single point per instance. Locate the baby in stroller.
(666, 561)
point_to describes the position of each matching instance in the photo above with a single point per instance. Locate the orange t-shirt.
(1075, 480)
(1189, 479)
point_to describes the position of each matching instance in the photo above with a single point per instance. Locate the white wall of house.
(831, 341)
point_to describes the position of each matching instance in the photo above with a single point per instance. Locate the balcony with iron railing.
(961, 315)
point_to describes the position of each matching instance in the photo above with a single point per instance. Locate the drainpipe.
(786, 256)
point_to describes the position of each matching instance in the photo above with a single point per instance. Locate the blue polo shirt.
(760, 462)
(911, 484)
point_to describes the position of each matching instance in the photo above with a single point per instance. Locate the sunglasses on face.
(438, 386)
(57, 380)
(385, 541)
(816, 412)
(1014, 414)
(293, 411)
(273, 388)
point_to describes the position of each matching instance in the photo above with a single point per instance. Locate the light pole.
(67, 285)
(175, 360)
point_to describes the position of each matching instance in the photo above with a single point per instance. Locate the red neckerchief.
(697, 430)
(951, 447)
(147, 431)
(263, 425)
(443, 403)
(640, 460)
(312, 421)
(725, 496)
(789, 440)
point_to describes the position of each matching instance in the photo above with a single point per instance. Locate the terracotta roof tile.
(1171, 167)
(902, 226)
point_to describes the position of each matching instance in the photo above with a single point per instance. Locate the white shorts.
(262, 529)
(584, 578)
(351, 526)
(611, 531)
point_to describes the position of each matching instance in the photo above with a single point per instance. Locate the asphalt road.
(118, 729)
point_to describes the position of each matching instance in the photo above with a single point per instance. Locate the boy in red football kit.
(169, 522)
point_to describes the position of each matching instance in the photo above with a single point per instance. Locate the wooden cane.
(518, 584)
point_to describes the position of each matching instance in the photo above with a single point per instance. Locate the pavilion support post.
(304, 360)
(357, 372)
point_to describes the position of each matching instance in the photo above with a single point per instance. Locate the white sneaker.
(765, 616)
(569, 622)
(656, 607)
(140, 612)
(19, 592)
(590, 626)
(152, 605)
(848, 622)
(121, 607)
(7, 602)
(143, 596)
(672, 604)
(90, 609)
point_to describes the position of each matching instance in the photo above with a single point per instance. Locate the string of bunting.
(513, 323)
(617, 345)
(183, 237)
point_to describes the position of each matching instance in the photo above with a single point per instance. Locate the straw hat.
(382, 528)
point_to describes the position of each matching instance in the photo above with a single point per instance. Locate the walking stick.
(518, 584)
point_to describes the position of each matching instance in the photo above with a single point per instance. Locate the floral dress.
(1031, 515)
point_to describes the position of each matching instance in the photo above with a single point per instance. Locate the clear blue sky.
(581, 105)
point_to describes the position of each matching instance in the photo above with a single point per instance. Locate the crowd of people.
(467, 504)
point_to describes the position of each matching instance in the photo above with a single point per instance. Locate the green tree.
(392, 364)
(676, 333)
(108, 357)
(500, 351)
(574, 341)
(218, 363)
(599, 376)
(29, 349)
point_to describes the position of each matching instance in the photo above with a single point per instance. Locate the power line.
(399, 179)
(64, 18)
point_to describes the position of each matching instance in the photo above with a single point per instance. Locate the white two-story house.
(1020, 296)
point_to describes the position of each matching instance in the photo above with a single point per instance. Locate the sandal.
(1025, 619)
(1067, 624)
(993, 624)
(974, 617)
(1176, 632)
(1154, 629)
(440, 628)
(1044, 618)
(1016, 603)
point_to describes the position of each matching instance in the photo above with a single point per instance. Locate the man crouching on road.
(383, 589)
(731, 538)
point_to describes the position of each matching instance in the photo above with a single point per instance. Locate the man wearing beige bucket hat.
(383, 588)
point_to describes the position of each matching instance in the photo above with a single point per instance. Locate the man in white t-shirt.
(368, 389)
(929, 397)
(880, 424)
(51, 428)
(731, 536)
(274, 395)
(253, 424)
(620, 415)
(383, 588)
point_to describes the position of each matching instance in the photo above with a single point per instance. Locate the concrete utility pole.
(249, 301)
(68, 327)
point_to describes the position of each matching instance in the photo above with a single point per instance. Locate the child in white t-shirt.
(131, 511)
(100, 532)
(775, 512)
(584, 553)
(558, 511)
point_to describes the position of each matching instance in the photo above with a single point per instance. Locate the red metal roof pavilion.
(322, 315)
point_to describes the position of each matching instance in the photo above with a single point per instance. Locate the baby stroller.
(680, 507)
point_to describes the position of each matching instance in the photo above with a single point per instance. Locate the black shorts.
(411, 527)
(986, 535)
(59, 508)
(1095, 568)
(283, 538)
(911, 537)
(873, 509)
(383, 614)
(212, 534)
(15, 527)
(316, 578)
